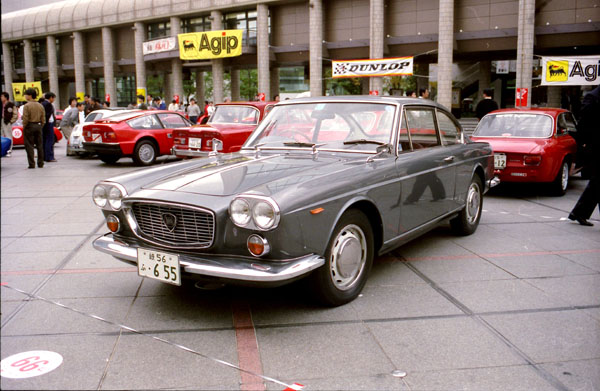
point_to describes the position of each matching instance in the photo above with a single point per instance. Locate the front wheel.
(144, 153)
(561, 182)
(468, 219)
(348, 260)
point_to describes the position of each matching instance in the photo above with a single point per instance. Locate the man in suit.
(48, 130)
(486, 105)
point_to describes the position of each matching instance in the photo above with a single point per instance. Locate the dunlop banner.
(369, 68)
(210, 44)
(19, 90)
(570, 71)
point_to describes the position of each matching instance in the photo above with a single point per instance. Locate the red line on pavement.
(69, 271)
(247, 347)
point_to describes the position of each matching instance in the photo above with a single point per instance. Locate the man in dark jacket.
(486, 105)
(34, 118)
(588, 135)
(48, 130)
(96, 105)
(10, 115)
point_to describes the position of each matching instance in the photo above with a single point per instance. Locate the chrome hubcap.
(473, 203)
(146, 153)
(348, 257)
(565, 176)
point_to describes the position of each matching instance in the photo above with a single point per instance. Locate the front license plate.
(159, 265)
(195, 143)
(499, 161)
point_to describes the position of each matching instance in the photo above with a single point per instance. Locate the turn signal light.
(113, 223)
(532, 160)
(257, 245)
(110, 136)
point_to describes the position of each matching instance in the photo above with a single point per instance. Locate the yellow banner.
(210, 44)
(19, 90)
(80, 96)
(141, 91)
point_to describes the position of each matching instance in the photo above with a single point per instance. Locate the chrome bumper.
(227, 267)
(188, 153)
(495, 181)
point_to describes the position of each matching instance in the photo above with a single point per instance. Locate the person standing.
(486, 105)
(588, 135)
(71, 106)
(95, 104)
(10, 114)
(193, 111)
(70, 119)
(34, 117)
(88, 104)
(142, 102)
(48, 130)
(424, 93)
(173, 106)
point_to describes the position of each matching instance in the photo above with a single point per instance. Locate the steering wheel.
(295, 132)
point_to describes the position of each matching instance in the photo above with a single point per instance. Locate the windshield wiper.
(299, 144)
(363, 141)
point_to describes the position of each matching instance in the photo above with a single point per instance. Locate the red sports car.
(231, 123)
(17, 133)
(532, 145)
(142, 135)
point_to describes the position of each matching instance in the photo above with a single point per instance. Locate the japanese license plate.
(499, 161)
(97, 138)
(159, 265)
(195, 142)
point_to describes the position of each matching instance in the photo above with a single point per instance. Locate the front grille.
(193, 228)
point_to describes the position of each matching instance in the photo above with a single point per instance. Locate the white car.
(75, 142)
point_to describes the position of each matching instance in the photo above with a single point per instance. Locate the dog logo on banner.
(557, 70)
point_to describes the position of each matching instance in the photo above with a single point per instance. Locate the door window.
(449, 131)
(403, 140)
(566, 122)
(145, 122)
(421, 126)
(172, 121)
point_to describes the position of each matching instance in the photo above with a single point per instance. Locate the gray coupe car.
(320, 188)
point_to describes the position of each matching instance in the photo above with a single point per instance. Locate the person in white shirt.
(173, 106)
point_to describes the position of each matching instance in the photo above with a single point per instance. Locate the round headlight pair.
(104, 194)
(262, 213)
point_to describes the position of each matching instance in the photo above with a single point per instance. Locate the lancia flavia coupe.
(321, 187)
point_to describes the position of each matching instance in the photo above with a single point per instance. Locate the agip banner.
(570, 71)
(210, 44)
(374, 67)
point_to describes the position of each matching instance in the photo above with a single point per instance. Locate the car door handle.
(449, 159)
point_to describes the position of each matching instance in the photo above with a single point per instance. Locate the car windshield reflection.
(331, 125)
(515, 125)
(230, 114)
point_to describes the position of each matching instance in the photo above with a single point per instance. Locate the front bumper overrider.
(228, 267)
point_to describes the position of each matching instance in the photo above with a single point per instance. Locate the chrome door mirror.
(217, 145)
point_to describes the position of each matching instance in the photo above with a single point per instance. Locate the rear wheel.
(468, 219)
(348, 261)
(109, 159)
(144, 153)
(561, 182)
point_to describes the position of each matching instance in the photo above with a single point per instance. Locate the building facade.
(97, 47)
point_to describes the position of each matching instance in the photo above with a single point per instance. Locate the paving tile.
(576, 290)
(593, 312)
(531, 266)
(27, 283)
(389, 270)
(84, 360)
(501, 295)
(494, 239)
(43, 244)
(459, 270)
(589, 260)
(437, 344)
(380, 382)
(40, 261)
(551, 336)
(519, 377)
(583, 375)
(142, 363)
(320, 351)
(15, 230)
(57, 229)
(91, 285)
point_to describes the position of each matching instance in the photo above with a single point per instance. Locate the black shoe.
(580, 220)
(31, 167)
(40, 166)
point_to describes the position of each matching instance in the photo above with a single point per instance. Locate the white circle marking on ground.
(29, 364)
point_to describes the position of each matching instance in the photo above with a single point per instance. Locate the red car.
(17, 133)
(231, 123)
(142, 135)
(532, 145)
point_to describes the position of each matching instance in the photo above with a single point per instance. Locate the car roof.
(126, 115)
(366, 99)
(257, 104)
(553, 111)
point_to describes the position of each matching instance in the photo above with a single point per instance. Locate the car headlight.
(114, 198)
(264, 215)
(100, 196)
(239, 210)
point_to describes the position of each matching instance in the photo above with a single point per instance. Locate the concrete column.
(365, 84)
(200, 88)
(217, 64)
(262, 50)
(315, 26)
(445, 46)
(8, 69)
(78, 61)
(485, 77)
(376, 36)
(29, 70)
(274, 82)
(140, 64)
(525, 40)
(235, 84)
(554, 96)
(110, 86)
(53, 68)
(89, 88)
(176, 67)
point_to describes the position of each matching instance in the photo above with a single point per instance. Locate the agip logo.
(210, 44)
(557, 71)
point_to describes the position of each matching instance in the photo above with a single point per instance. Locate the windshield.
(515, 125)
(230, 114)
(93, 116)
(348, 125)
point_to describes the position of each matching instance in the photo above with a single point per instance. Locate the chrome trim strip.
(234, 268)
(187, 152)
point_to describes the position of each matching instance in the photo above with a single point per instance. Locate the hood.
(515, 145)
(239, 173)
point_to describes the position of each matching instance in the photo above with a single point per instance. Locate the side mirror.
(217, 146)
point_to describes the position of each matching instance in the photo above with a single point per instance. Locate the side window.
(172, 121)
(403, 140)
(421, 126)
(566, 121)
(449, 131)
(145, 122)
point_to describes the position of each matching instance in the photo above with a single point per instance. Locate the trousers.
(588, 199)
(7, 132)
(48, 142)
(32, 135)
